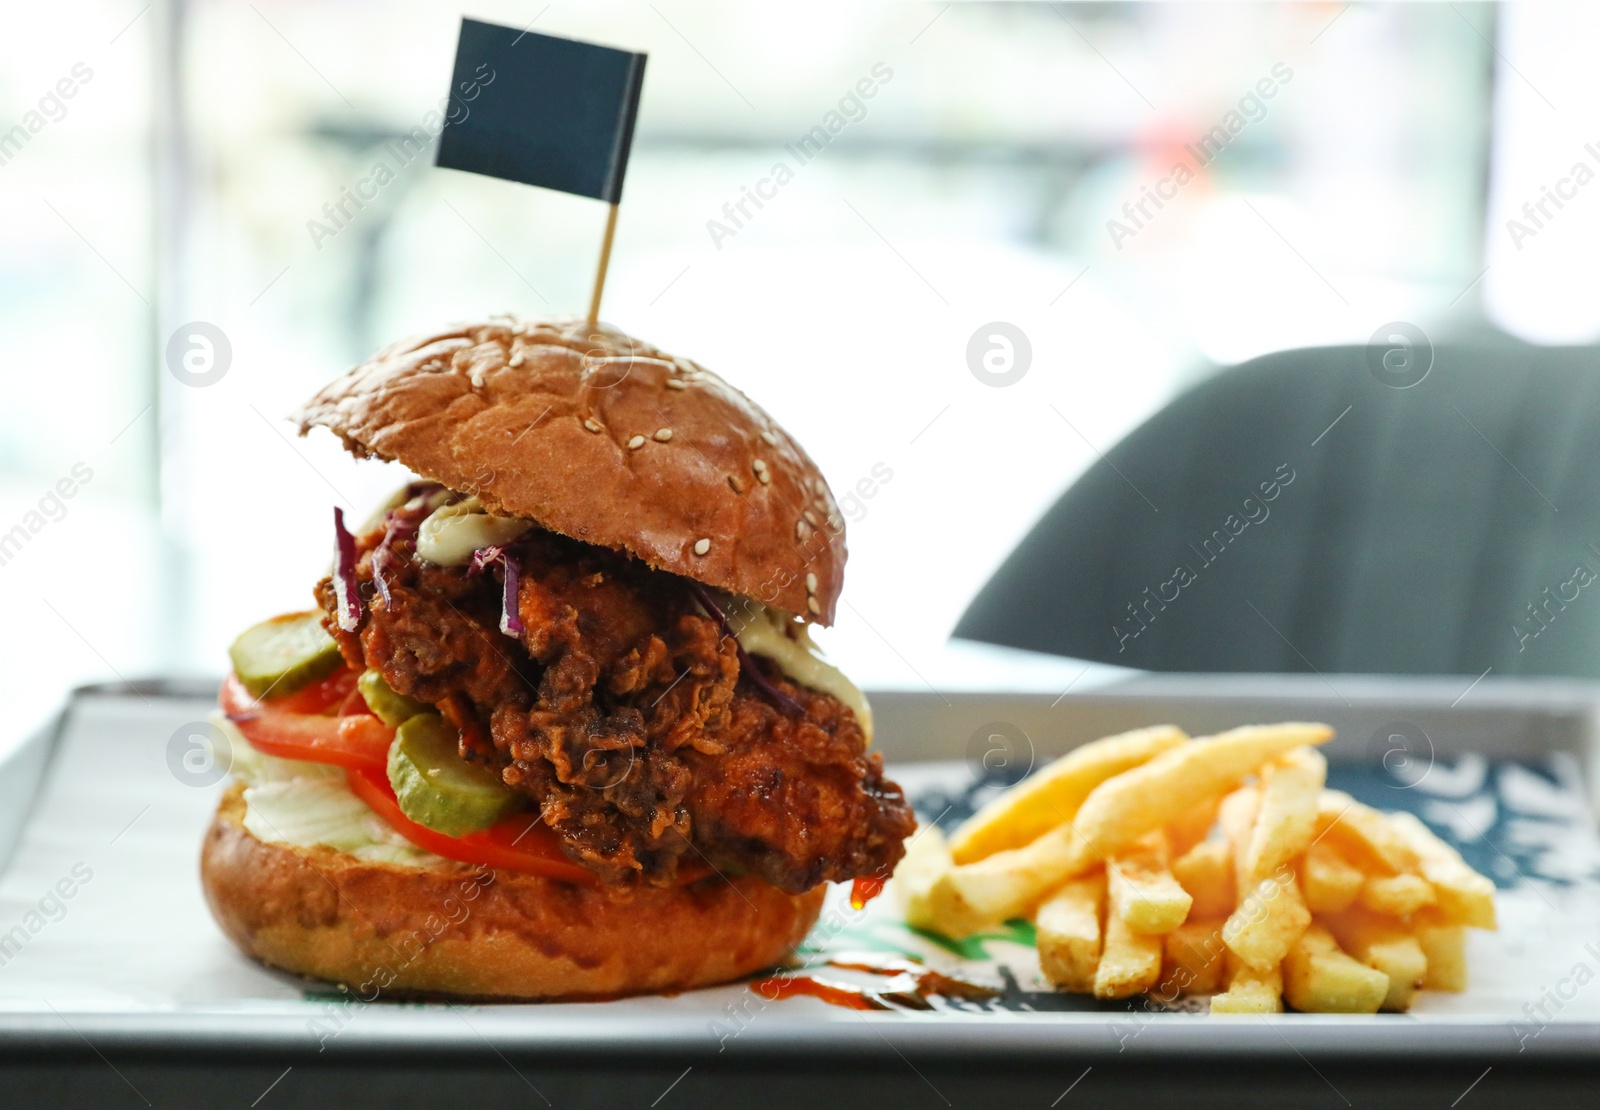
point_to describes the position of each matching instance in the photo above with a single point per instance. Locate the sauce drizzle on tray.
(909, 985)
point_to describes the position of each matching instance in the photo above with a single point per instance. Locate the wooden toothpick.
(605, 261)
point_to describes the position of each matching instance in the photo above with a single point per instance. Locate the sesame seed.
(759, 465)
(738, 486)
(766, 479)
(684, 364)
(592, 424)
(663, 434)
(677, 383)
(701, 546)
(772, 440)
(635, 443)
(802, 529)
(516, 358)
(811, 603)
(822, 487)
(834, 522)
(811, 583)
(762, 473)
(810, 518)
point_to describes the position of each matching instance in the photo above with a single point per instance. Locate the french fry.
(1320, 978)
(1068, 930)
(1385, 944)
(1149, 898)
(1465, 897)
(926, 859)
(1123, 809)
(1130, 962)
(1269, 919)
(966, 900)
(1396, 895)
(1287, 815)
(1051, 795)
(1271, 912)
(1115, 814)
(1237, 816)
(1194, 959)
(1445, 946)
(1206, 872)
(1250, 991)
(1329, 882)
(1191, 826)
(1365, 835)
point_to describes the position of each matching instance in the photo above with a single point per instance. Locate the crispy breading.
(622, 712)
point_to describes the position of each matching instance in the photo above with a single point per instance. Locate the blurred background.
(183, 161)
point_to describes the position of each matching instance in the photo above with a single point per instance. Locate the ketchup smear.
(909, 986)
(835, 994)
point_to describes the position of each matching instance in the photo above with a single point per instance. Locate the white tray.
(119, 985)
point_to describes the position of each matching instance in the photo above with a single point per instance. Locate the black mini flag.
(541, 110)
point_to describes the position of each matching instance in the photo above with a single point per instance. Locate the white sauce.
(394, 501)
(451, 533)
(765, 634)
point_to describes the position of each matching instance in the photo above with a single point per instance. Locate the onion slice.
(398, 528)
(344, 574)
(510, 622)
(747, 665)
(482, 558)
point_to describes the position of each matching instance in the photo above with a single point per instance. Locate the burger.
(556, 728)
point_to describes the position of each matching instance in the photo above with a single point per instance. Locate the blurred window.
(943, 168)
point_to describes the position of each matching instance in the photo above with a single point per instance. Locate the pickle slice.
(439, 789)
(389, 707)
(283, 654)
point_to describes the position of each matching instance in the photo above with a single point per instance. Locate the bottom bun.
(459, 931)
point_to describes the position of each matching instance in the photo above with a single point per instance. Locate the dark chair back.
(1300, 512)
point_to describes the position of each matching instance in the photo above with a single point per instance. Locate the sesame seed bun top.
(601, 437)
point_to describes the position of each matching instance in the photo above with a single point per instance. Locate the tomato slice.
(319, 697)
(289, 733)
(353, 703)
(521, 842)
